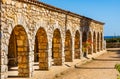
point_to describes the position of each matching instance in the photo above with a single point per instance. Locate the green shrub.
(112, 40)
(117, 67)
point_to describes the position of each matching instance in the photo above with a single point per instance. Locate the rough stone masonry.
(32, 31)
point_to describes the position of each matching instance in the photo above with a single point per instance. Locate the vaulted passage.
(41, 49)
(77, 45)
(84, 47)
(18, 52)
(57, 48)
(89, 41)
(68, 47)
(94, 43)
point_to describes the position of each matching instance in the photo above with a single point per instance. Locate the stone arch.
(57, 48)
(90, 42)
(94, 42)
(41, 49)
(18, 51)
(68, 47)
(98, 42)
(77, 45)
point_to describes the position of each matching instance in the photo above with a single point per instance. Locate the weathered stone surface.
(25, 18)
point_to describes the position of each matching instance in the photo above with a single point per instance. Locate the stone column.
(92, 43)
(73, 47)
(3, 65)
(102, 42)
(49, 56)
(96, 44)
(3, 55)
(81, 53)
(63, 48)
(50, 61)
(31, 57)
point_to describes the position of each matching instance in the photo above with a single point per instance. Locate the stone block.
(45, 60)
(3, 68)
(23, 66)
(56, 55)
(20, 70)
(42, 55)
(20, 42)
(25, 71)
(20, 49)
(24, 59)
(57, 45)
(20, 59)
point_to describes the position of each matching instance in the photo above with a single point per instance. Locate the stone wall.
(32, 15)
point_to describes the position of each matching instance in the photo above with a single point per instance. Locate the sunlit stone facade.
(32, 31)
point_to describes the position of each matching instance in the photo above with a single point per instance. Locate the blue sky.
(107, 11)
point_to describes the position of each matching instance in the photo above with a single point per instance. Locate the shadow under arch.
(98, 42)
(94, 42)
(57, 48)
(41, 49)
(68, 47)
(77, 45)
(84, 40)
(90, 42)
(18, 52)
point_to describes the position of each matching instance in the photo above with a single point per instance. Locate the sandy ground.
(101, 67)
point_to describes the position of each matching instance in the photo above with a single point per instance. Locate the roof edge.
(50, 7)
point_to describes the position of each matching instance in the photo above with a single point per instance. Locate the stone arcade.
(32, 31)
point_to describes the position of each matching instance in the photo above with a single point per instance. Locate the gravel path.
(101, 67)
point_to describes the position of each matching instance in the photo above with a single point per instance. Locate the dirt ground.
(101, 67)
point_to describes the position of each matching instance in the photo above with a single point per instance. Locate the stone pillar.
(63, 48)
(96, 44)
(3, 55)
(92, 43)
(73, 47)
(3, 65)
(104, 45)
(31, 57)
(50, 61)
(102, 42)
(99, 43)
(49, 56)
(81, 52)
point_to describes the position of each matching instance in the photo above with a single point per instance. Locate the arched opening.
(41, 49)
(68, 47)
(94, 42)
(77, 45)
(18, 52)
(57, 48)
(98, 42)
(89, 40)
(84, 40)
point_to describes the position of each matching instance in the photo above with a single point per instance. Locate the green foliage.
(112, 40)
(117, 67)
